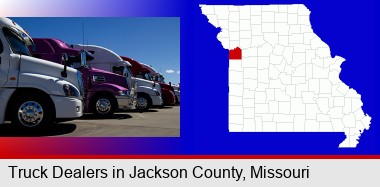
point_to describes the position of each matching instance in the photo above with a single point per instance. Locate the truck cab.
(148, 93)
(168, 91)
(105, 92)
(34, 92)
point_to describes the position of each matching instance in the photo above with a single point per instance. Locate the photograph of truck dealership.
(90, 77)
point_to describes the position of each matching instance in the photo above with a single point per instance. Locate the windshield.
(154, 78)
(74, 61)
(161, 78)
(147, 76)
(16, 42)
(120, 70)
(158, 78)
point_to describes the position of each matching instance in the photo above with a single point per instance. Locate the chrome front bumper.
(126, 102)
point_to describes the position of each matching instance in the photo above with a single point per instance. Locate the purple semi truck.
(104, 92)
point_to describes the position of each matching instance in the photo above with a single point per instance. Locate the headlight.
(124, 93)
(70, 91)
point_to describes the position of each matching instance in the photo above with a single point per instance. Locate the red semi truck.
(158, 77)
(167, 90)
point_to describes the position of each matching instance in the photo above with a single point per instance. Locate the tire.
(103, 106)
(143, 103)
(176, 100)
(31, 111)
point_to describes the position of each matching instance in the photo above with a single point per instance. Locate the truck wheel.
(143, 103)
(104, 106)
(176, 100)
(31, 112)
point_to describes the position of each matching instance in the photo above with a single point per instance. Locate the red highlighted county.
(235, 54)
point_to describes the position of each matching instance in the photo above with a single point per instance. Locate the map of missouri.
(282, 77)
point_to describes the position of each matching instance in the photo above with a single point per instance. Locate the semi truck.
(167, 89)
(105, 92)
(34, 93)
(148, 92)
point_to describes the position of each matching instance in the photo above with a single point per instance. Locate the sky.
(149, 40)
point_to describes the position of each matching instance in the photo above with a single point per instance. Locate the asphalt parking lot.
(157, 122)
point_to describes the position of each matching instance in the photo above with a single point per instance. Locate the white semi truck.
(148, 93)
(34, 92)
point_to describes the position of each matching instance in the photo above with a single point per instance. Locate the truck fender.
(104, 88)
(10, 95)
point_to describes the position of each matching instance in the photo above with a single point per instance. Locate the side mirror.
(65, 58)
(83, 58)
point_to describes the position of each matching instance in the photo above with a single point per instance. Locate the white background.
(326, 172)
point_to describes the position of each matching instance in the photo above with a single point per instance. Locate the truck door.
(4, 65)
(122, 70)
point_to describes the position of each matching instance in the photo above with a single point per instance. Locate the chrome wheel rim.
(103, 106)
(30, 114)
(142, 102)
